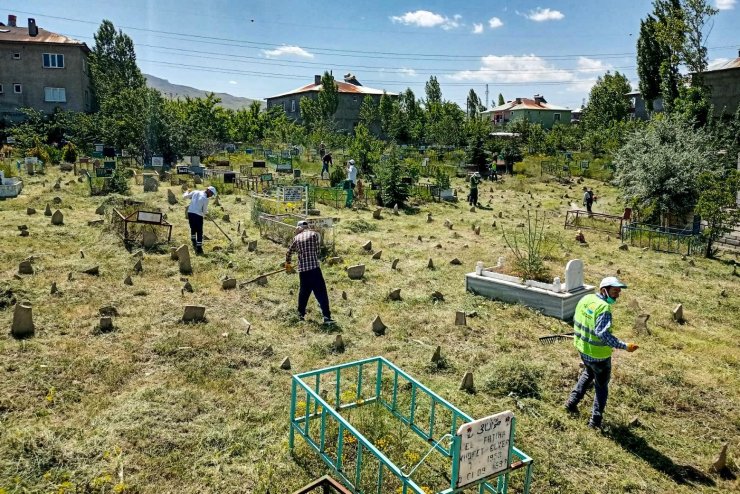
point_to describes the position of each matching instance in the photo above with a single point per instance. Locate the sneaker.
(571, 408)
(328, 321)
(301, 317)
(199, 250)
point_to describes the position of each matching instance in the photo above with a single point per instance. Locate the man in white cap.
(307, 243)
(196, 212)
(350, 183)
(594, 340)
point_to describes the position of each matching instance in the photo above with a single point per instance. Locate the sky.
(257, 48)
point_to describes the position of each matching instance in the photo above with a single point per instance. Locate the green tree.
(328, 98)
(650, 54)
(391, 172)
(607, 101)
(501, 100)
(658, 166)
(365, 149)
(369, 114)
(716, 205)
(433, 92)
(473, 104)
(386, 111)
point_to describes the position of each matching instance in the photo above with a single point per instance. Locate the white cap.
(213, 190)
(611, 281)
(302, 223)
(351, 162)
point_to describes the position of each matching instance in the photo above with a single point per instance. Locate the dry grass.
(159, 406)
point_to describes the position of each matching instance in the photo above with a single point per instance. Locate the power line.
(333, 51)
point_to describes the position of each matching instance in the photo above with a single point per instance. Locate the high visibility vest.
(588, 310)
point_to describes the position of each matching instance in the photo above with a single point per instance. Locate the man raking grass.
(594, 340)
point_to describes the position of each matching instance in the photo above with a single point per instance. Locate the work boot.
(571, 408)
(199, 250)
(595, 422)
(328, 321)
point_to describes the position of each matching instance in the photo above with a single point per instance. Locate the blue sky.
(259, 48)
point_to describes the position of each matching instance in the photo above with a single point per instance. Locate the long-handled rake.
(260, 277)
(221, 229)
(549, 340)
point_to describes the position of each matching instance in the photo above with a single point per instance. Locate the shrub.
(527, 248)
(513, 375)
(360, 226)
(69, 153)
(119, 182)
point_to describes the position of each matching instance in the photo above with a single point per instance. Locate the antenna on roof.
(33, 29)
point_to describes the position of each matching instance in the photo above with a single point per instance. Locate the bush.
(119, 182)
(337, 175)
(514, 375)
(69, 153)
(360, 226)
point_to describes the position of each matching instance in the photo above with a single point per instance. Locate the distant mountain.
(173, 91)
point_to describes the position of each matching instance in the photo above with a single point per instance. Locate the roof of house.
(343, 87)
(527, 104)
(20, 35)
(730, 64)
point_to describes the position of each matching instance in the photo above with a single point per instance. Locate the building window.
(53, 61)
(1, 89)
(17, 88)
(55, 95)
(556, 117)
(16, 56)
(292, 106)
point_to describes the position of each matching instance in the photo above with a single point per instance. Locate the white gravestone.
(485, 448)
(573, 275)
(157, 161)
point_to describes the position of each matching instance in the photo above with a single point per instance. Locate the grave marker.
(22, 325)
(485, 447)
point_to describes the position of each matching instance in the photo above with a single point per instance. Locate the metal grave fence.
(663, 239)
(319, 397)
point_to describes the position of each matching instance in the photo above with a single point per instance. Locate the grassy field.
(158, 406)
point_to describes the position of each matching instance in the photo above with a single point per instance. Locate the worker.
(307, 244)
(594, 340)
(475, 179)
(326, 161)
(196, 212)
(350, 183)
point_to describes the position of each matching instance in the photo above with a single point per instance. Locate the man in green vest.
(594, 340)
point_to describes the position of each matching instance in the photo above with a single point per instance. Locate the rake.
(549, 340)
(260, 277)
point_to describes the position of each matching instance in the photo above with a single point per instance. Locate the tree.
(649, 58)
(658, 166)
(328, 99)
(477, 130)
(716, 205)
(385, 110)
(365, 149)
(501, 100)
(607, 101)
(474, 105)
(368, 112)
(697, 14)
(391, 172)
(433, 92)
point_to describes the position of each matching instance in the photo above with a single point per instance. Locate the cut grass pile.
(160, 406)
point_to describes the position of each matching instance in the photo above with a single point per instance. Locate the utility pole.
(486, 96)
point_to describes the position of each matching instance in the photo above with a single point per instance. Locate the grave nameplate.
(293, 194)
(99, 148)
(157, 161)
(149, 217)
(183, 170)
(259, 164)
(32, 160)
(485, 448)
(266, 177)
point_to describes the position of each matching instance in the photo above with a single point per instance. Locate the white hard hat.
(351, 162)
(213, 190)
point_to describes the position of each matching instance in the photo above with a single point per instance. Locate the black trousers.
(313, 281)
(196, 229)
(588, 205)
(473, 197)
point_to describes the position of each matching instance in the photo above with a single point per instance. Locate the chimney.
(539, 99)
(317, 79)
(12, 20)
(518, 101)
(33, 30)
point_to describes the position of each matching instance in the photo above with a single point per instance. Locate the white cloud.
(233, 82)
(477, 28)
(495, 22)
(425, 18)
(288, 50)
(533, 69)
(407, 72)
(726, 4)
(542, 15)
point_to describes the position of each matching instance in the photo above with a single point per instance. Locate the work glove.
(631, 347)
(289, 268)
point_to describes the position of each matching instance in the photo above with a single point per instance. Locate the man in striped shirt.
(595, 342)
(307, 244)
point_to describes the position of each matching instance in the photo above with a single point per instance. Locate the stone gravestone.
(228, 283)
(252, 246)
(467, 383)
(460, 318)
(395, 294)
(183, 256)
(22, 320)
(285, 365)
(150, 239)
(394, 264)
(678, 314)
(151, 183)
(194, 313)
(573, 275)
(641, 323)
(378, 326)
(25, 267)
(356, 272)
(30, 211)
(368, 246)
(378, 254)
(57, 218)
(171, 198)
